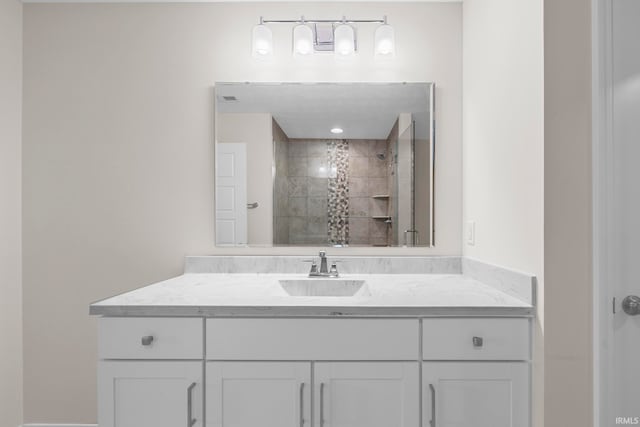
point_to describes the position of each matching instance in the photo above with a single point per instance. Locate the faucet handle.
(314, 265)
(334, 269)
(314, 268)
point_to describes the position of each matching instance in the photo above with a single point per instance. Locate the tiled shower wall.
(338, 198)
(345, 172)
(308, 177)
(368, 175)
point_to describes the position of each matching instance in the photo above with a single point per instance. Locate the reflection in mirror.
(324, 164)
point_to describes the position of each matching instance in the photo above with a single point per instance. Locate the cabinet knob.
(478, 341)
(147, 340)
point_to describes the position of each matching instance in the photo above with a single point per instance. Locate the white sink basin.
(325, 288)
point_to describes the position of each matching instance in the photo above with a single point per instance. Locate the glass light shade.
(385, 44)
(262, 41)
(302, 40)
(344, 40)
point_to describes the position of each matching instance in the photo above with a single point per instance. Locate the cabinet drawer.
(149, 338)
(475, 339)
(312, 339)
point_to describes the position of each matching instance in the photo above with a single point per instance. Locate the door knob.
(147, 340)
(631, 305)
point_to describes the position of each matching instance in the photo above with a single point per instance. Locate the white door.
(258, 394)
(625, 399)
(364, 394)
(478, 394)
(149, 394)
(231, 194)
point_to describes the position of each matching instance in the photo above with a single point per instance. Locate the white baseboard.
(59, 425)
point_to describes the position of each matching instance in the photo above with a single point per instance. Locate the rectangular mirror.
(324, 164)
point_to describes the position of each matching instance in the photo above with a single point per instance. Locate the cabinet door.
(482, 394)
(265, 394)
(364, 394)
(149, 394)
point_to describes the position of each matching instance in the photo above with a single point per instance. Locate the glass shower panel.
(404, 183)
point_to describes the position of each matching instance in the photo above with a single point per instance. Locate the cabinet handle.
(321, 404)
(146, 341)
(190, 420)
(478, 341)
(301, 404)
(432, 423)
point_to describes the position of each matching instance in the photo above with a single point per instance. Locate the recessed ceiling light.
(337, 130)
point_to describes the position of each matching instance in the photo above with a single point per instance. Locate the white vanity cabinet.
(312, 339)
(479, 394)
(476, 372)
(366, 394)
(150, 394)
(314, 372)
(279, 394)
(150, 372)
(347, 372)
(266, 394)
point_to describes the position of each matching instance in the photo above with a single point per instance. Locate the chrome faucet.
(324, 270)
(323, 262)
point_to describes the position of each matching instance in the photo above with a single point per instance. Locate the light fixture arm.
(344, 20)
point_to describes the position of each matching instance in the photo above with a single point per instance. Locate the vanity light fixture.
(344, 39)
(324, 35)
(384, 39)
(302, 39)
(337, 130)
(262, 41)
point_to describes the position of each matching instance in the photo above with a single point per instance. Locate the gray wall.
(10, 213)
(118, 153)
(567, 213)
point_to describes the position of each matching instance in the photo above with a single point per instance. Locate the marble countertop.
(248, 295)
